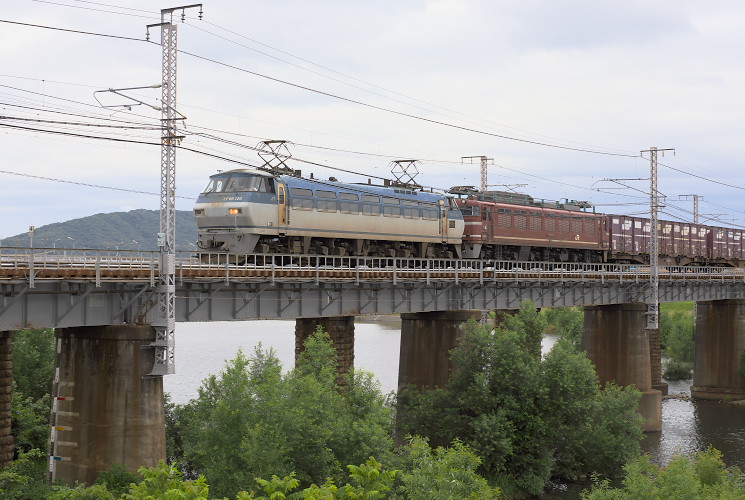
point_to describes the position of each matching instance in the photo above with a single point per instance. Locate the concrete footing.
(720, 344)
(426, 340)
(110, 414)
(617, 342)
(7, 445)
(341, 333)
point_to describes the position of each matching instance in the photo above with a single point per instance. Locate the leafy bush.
(443, 473)
(25, 479)
(703, 476)
(117, 479)
(677, 370)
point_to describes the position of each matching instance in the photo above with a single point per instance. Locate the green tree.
(677, 335)
(573, 391)
(567, 322)
(591, 430)
(30, 421)
(526, 418)
(530, 324)
(33, 362)
(253, 421)
(33, 369)
(615, 431)
(494, 403)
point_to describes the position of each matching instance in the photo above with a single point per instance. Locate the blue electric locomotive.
(248, 211)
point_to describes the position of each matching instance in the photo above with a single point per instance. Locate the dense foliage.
(526, 418)
(703, 476)
(677, 337)
(254, 421)
(566, 322)
(33, 370)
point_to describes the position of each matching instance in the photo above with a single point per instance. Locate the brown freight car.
(514, 232)
(680, 243)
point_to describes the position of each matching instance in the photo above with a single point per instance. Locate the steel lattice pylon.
(165, 294)
(653, 305)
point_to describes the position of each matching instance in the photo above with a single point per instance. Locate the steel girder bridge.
(44, 288)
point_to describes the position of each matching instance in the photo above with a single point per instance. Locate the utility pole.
(165, 294)
(484, 161)
(696, 198)
(653, 306)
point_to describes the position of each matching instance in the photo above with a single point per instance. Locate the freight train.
(250, 211)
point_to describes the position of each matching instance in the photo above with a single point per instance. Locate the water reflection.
(690, 426)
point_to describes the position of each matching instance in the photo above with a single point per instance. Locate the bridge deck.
(59, 288)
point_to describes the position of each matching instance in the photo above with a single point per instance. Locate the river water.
(203, 348)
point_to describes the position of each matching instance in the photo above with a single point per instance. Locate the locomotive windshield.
(240, 183)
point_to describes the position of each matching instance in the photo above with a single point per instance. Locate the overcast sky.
(610, 78)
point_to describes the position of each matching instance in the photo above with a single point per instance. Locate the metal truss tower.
(696, 199)
(164, 321)
(653, 306)
(484, 169)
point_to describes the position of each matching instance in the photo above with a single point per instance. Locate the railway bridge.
(108, 403)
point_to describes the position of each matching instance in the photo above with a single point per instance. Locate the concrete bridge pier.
(111, 413)
(7, 445)
(720, 350)
(426, 340)
(341, 332)
(617, 342)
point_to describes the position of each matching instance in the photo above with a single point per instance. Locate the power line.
(80, 124)
(94, 9)
(703, 178)
(352, 101)
(85, 184)
(106, 35)
(401, 113)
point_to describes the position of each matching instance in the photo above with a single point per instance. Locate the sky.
(562, 96)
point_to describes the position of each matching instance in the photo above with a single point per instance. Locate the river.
(203, 348)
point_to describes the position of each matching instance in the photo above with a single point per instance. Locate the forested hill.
(133, 230)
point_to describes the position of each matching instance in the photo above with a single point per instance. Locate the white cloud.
(610, 75)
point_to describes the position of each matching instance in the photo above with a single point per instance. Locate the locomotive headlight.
(235, 211)
(198, 211)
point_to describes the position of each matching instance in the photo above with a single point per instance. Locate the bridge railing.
(70, 263)
(291, 267)
(127, 265)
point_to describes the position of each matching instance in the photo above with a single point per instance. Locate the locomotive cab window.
(249, 183)
(215, 185)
